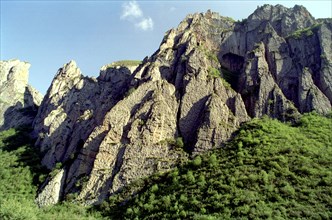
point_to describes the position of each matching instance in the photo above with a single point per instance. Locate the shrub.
(58, 165)
(154, 188)
(179, 142)
(197, 161)
(190, 177)
(213, 160)
(213, 73)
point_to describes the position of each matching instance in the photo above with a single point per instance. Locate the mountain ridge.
(181, 92)
(209, 75)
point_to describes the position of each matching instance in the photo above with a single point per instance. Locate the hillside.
(269, 170)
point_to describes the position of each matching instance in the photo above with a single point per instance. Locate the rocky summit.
(209, 75)
(18, 100)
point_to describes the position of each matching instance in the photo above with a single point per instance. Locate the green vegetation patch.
(269, 170)
(20, 175)
(126, 63)
(229, 19)
(309, 31)
(210, 55)
(213, 72)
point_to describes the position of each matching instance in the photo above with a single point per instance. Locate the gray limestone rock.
(73, 106)
(51, 193)
(18, 101)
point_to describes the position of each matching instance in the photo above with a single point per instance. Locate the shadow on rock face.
(20, 114)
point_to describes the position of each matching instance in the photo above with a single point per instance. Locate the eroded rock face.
(18, 101)
(280, 50)
(207, 77)
(52, 191)
(73, 106)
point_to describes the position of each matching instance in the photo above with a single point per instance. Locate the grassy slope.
(270, 170)
(19, 174)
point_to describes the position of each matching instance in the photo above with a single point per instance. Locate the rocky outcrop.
(18, 101)
(73, 106)
(52, 192)
(283, 20)
(284, 45)
(208, 76)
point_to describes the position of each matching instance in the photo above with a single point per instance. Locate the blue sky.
(48, 34)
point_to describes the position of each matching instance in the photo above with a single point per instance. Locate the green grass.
(226, 76)
(213, 73)
(211, 56)
(126, 63)
(269, 170)
(307, 32)
(20, 174)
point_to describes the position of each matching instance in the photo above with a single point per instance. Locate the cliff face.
(18, 101)
(286, 61)
(208, 76)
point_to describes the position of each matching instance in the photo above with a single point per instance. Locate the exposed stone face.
(18, 101)
(324, 78)
(207, 77)
(134, 143)
(290, 40)
(73, 106)
(283, 20)
(53, 190)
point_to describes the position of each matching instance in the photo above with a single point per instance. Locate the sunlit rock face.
(208, 76)
(18, 101)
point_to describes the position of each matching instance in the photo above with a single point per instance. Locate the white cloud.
(145, 24)
(132, 12)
